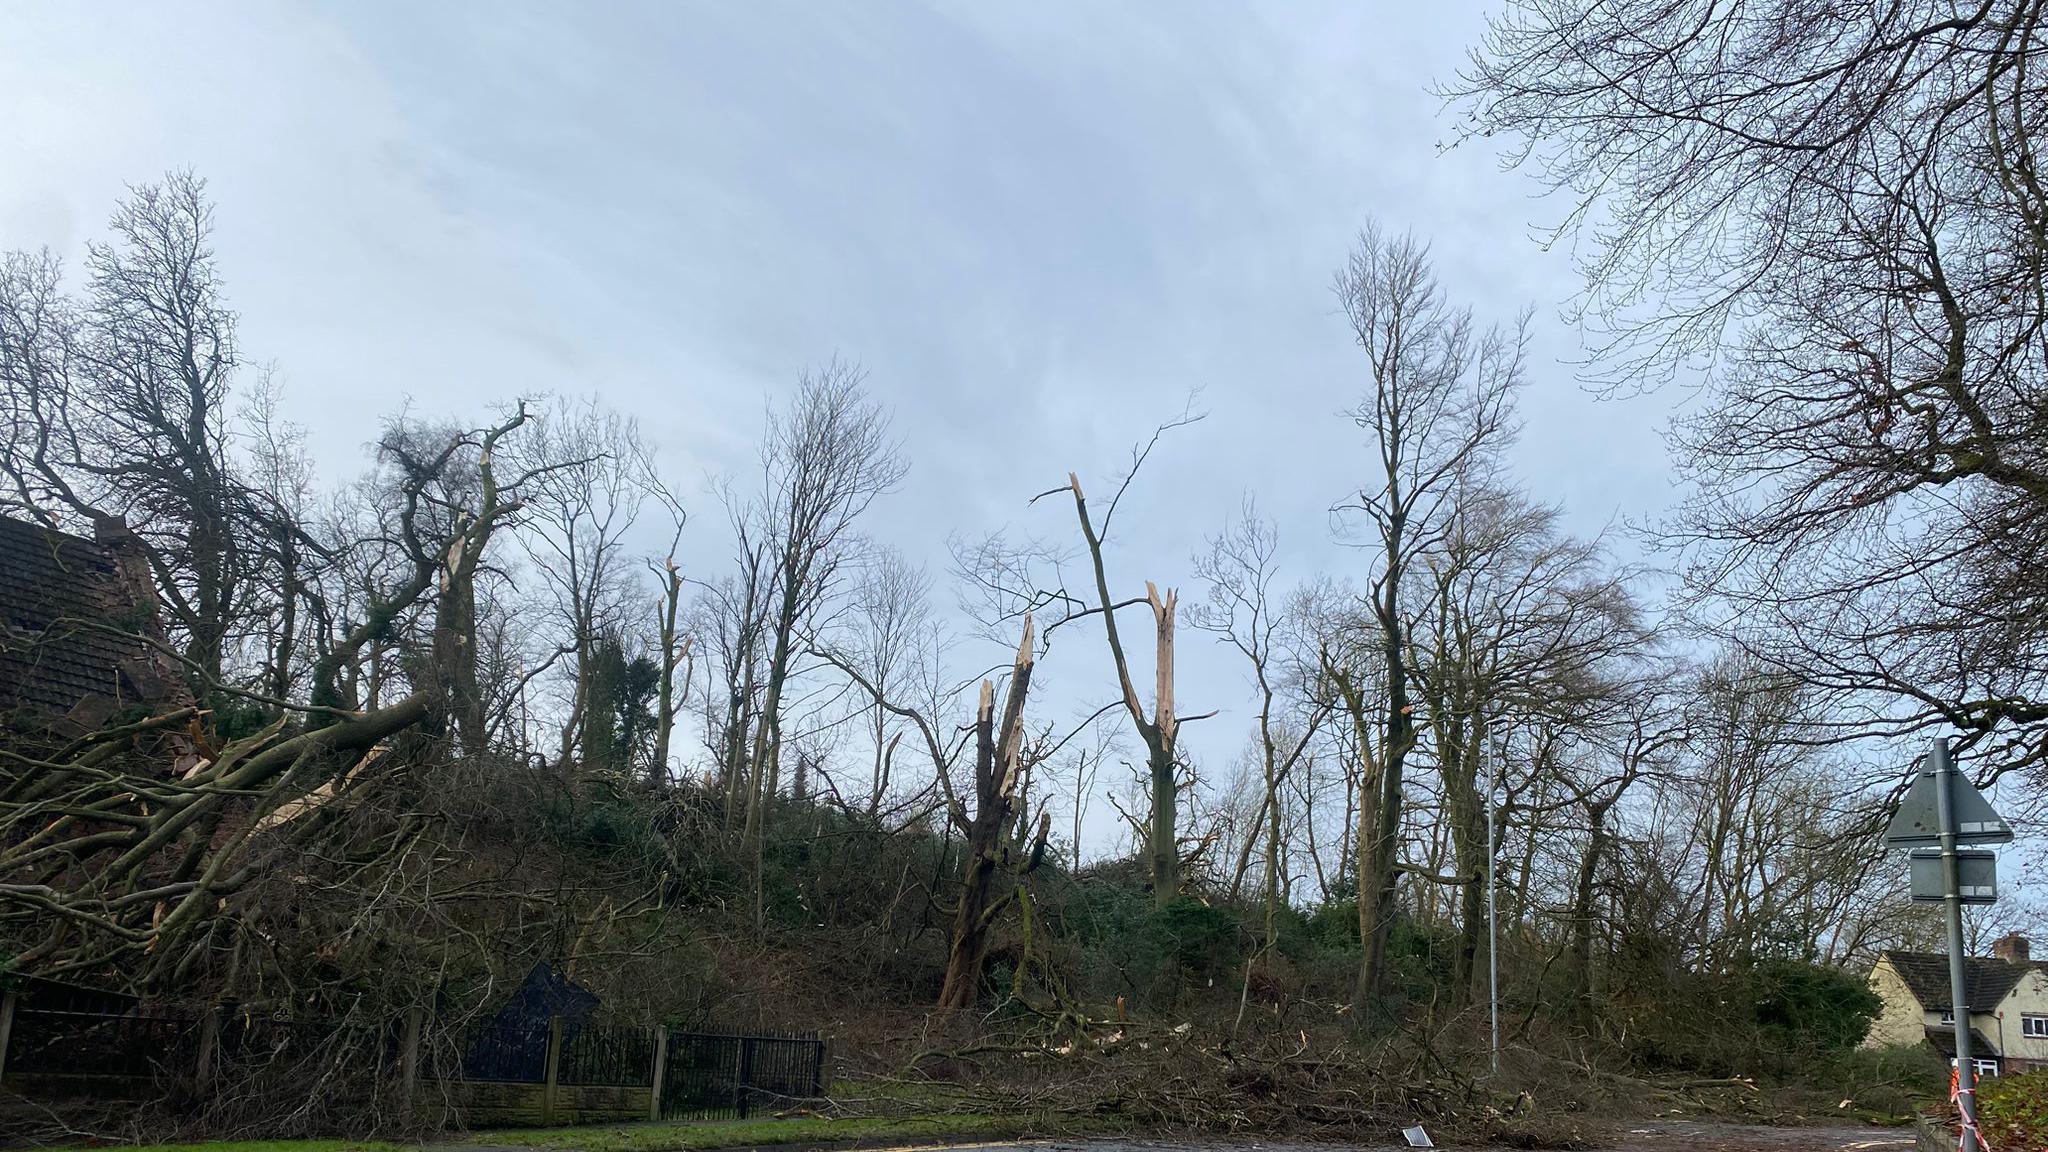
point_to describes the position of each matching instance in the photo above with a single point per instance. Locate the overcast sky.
(1038, 225)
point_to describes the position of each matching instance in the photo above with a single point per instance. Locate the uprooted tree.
(124, 848)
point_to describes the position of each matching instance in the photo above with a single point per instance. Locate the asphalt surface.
(1655, 1137)
(1755, 1138)
(1662, 1137)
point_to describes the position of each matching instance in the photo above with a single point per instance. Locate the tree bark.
(1160, 732)
(998, 769)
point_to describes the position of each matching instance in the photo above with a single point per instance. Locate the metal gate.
(710, 1074)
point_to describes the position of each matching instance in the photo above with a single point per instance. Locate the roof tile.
(1987, 978)
(69, 631)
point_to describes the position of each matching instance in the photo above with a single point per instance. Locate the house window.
(2034, 1026)
(1986, 1069)
(1948, 1015)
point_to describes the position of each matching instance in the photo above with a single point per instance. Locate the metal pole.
(1952, 902)
(1492, 919)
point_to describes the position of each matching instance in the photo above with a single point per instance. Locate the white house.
(2007, 993)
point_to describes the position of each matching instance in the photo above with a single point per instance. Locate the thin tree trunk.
(673, 652)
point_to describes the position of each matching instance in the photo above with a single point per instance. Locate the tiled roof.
(1987, 979)
(63, 610)
(1944, 1040)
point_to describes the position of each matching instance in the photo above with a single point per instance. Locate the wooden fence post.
(209, 1047)
(746, 1074)
(554, 1065)
(8, 1000)
(660, 1071)
(409, 1058)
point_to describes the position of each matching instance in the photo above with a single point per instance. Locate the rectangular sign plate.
(1976, 875)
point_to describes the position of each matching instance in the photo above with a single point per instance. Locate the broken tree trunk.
(998, 767)
(1164, 839)
(1161, 730)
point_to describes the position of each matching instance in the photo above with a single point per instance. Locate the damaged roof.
(74, 617)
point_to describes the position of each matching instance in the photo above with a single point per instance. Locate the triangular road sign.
(1918, 820)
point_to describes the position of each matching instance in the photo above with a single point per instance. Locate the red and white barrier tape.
(1966, 1118)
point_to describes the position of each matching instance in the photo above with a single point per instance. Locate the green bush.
(1208, 942)
(1333, 925)
(1131, 947)
(1896, 1081)
(1811, 1008)
(1781, 1017)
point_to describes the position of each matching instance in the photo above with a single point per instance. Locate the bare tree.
(594, 473)
(1239, 568)
(673, 645)
(291, 558)
(1437, 404)
(825, 461)
(1643, 735)
(892, 632)
(118, 405)
(1520, 622)
(1843, 221)
(451, 500)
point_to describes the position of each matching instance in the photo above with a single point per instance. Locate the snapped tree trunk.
(674, 651)
(998, 769)
(1162, 729)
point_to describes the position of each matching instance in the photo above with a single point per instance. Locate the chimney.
(110, 530)
(2011, 948)
(119, 543)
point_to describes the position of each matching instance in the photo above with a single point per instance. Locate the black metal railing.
(715, 1074)
(94, 1044)
(516, 1053)
(704, 1075)
(619, 1057)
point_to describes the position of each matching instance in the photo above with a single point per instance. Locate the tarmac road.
(1756, 1138)
(1660, 1137)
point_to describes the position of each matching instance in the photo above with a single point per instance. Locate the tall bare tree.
(824, 462)
(1842, 221)
(1437, 404)
(1239, 568)
(118, 404)
(593, 475)
(1521, 622)
(672, 644)
(892, 632)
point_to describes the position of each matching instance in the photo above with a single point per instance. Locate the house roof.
(1987, 979)
(73, 622)
(546, 992)
(1944, 1041)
